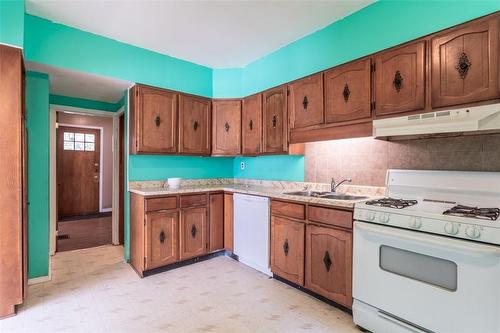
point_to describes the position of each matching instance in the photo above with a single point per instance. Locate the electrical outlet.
(242, 165)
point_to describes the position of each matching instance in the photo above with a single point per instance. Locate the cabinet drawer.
(339, 218)
(293, 210)
(153, 204)
(193, 200)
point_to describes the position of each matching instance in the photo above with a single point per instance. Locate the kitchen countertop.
(266, 191)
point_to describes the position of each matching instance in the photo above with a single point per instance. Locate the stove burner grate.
(392, 203)
(475, 212)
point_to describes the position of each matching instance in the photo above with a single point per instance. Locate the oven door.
(432, 282)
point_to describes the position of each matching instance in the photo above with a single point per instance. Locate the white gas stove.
(428, 253)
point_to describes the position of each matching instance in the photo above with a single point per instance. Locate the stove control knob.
(370, 216)
(384, 218)
(415, 222)
(451, 228)
(473, 232)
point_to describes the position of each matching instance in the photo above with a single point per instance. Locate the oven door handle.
(438, 241)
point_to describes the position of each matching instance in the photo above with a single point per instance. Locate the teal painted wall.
(376, 27)
(12, 22)
(62, 46)
(270, 168)
(161, 167)
(85, 103)
(37, 111)
(226, 83)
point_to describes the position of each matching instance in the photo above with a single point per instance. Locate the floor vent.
(59, 237)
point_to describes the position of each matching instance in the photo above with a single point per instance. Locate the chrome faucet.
(334, 184)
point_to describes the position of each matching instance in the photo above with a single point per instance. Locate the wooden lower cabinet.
(166, 229)
(228, 221)
(216, 221)
(287, 249)
(329, 263)
(193, 232)
(161, 238)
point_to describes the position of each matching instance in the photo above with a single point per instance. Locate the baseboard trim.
(105, 210)
(39, 279)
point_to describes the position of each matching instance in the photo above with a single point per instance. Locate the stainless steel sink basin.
(343, 197)
(327, 195)
(307, 193)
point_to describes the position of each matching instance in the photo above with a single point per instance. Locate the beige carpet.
(93, 290)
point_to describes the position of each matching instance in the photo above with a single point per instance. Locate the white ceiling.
(81, 85)
(217, 34)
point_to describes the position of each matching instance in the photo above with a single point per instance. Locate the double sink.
(327, 195)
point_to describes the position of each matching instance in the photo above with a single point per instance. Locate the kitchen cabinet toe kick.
(187, 262)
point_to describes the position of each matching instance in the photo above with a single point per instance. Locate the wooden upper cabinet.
(194, 125)
(305, 101)
(226, 130)
(348, 92)
(193, 232)
(161, 239)
(274, 110)
(329, 263)
(465, 64)
(400, 79)
(251, 125)
(153, 121)
(287, 249)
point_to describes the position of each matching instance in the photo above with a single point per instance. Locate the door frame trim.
(53, 108)
(101, 157)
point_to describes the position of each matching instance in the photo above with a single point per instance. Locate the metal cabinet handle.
(193, 231)
(346, 93)
(162, 237)
(275, 121)
(195, 125)
(226, 127)
(157, 121)
(398, 81)
(305, 102)
(463, 65)
(250, 125)
(327, 261)
(286, 247)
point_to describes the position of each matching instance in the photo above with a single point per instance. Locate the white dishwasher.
(252, 231)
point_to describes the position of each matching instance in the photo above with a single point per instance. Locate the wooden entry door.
(78, 165)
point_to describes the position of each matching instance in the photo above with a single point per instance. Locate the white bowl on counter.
(174, 182)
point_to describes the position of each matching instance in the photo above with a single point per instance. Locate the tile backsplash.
(366, 160)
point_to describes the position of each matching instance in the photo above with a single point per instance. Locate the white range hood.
(473, 120)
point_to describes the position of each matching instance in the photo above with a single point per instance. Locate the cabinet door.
(161, 239)
(193, 232)
(348, 92)
(305, 101)
(228, 221)
(155, 127)
(465, 64)
(287, 249)
(226, 130)
(194, 125)
(274, 107)
(216, 228)
(251, 125)
(329, 263)
(400, 79)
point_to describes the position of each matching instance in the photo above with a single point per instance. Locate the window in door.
(79, 141)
